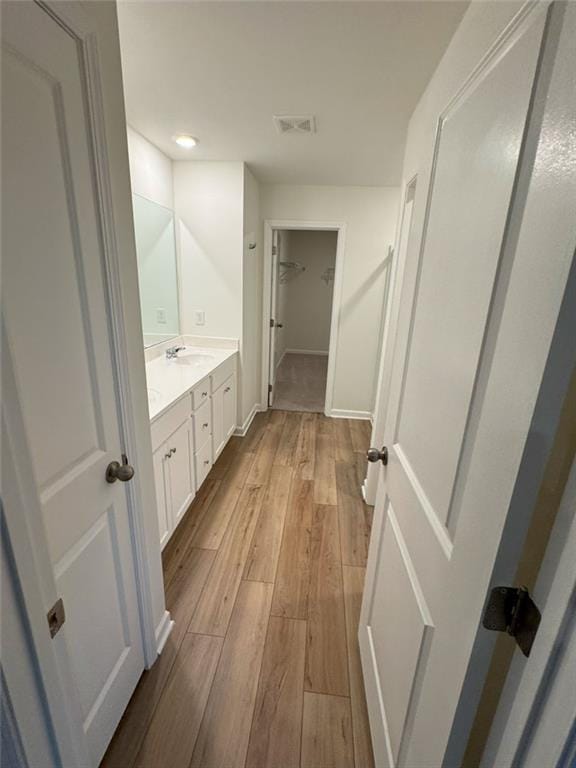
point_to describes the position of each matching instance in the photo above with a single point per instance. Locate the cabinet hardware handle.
(167, 455)
(206, 461)
(227, 389)
(204, 425)
(204, 394)
(173, 450)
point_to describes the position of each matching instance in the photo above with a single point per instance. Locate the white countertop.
(169, 380)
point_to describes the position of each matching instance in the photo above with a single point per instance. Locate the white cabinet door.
(160, 458)
(180, 466)
(55, 306)
(229, 407)
(218, 433)
(474, 335)
(223, 414)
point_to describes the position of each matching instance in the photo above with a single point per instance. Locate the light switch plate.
(199, 317)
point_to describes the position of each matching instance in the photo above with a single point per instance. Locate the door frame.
(301, 224)
(272, 340)
(535, 693)
(23, 532)
(390, 322)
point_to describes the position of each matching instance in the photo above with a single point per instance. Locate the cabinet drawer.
(223, 372)
(203, 462)
(168, 423)
(201, 393)
(202, 419)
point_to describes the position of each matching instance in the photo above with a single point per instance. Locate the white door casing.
(534, 724)
(474, 332)
(56, 312)
(276, 246)
(390, 318)
(270, 228)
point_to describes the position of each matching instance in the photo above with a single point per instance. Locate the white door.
(276, 245)
(479, 304)
(56, 313)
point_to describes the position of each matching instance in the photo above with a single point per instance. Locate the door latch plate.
(512, 610)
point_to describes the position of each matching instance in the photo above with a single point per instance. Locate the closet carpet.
(264, 581)
(301, 383)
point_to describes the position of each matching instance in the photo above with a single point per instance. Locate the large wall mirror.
(157, 272)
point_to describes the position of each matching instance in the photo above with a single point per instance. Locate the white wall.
(208, 201)
(251, 342)
(217, 207)
(150, 170)
(370, 215)
(309, 297)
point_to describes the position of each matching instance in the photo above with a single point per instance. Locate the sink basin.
(193, 358)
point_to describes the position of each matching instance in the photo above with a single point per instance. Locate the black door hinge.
(512, 610)
(269, 387)
(271, 322)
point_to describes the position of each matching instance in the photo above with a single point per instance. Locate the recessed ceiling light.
(185, 140)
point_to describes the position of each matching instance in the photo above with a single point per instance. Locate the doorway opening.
(302, 291)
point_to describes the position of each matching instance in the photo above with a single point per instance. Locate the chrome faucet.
(172, 352)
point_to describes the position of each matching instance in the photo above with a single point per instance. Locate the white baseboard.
(306, 352)
(241, 431)
(337, 413)
(163, 631)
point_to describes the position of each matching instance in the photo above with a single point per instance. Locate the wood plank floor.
(264, 580)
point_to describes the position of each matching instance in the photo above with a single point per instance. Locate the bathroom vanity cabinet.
(187, 438)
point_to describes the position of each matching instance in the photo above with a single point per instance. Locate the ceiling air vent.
(295, 123)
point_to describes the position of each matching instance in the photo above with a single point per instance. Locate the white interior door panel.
(56, 311)
(469, 359)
